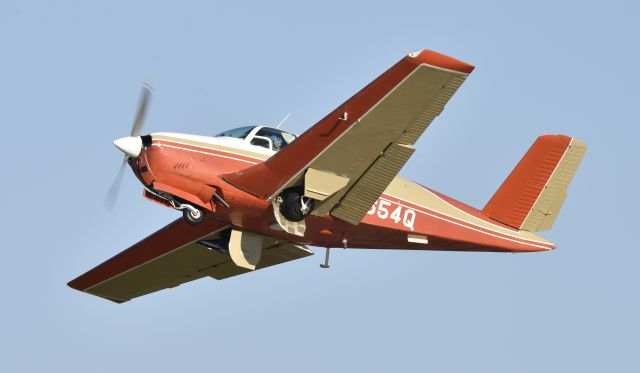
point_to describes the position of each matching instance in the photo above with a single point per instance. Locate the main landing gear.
(295, 206)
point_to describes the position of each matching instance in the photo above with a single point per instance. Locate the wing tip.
(74, 285)
(440, 60)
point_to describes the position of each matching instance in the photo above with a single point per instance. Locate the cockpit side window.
(238, 133)
(279, 138)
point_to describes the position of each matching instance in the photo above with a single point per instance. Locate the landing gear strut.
(295, 206)
(191, 214)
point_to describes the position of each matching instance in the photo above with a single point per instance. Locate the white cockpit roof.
(267, 137)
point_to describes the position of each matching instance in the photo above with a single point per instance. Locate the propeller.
(112, 195)
(110, 199)
(142, 108)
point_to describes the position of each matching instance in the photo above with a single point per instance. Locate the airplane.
(257, 196)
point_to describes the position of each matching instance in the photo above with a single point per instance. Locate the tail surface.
(531, 196)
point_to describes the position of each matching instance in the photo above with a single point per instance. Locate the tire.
(291, 206)
(191, 218)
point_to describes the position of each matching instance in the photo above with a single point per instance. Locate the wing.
(347, 159)
(173, 256)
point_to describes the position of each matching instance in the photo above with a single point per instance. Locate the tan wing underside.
(372, 153)
(189, 263)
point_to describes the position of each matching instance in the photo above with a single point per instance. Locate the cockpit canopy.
(266, 137)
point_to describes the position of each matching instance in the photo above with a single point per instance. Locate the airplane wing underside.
(173, 256)
(347, 159)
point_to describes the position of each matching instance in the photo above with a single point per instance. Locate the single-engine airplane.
(255, 196)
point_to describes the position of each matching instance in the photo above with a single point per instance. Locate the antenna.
(284, 120)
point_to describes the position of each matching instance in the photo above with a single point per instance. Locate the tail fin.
(531, 196)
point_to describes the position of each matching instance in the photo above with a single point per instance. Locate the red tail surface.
(532, 195)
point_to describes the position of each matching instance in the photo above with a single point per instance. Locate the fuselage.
(406, 216)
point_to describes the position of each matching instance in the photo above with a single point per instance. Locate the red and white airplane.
(253, 197)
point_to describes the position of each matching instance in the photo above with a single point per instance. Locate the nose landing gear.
(192, 215)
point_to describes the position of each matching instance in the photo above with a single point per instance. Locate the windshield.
(238, 133)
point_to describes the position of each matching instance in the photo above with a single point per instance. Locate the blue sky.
(69, 83)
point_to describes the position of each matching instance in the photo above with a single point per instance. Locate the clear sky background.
(70, 76)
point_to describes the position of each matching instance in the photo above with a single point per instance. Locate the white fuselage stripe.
(466, 213)
(514, 239)
(208, 153)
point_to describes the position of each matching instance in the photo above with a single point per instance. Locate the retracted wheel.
(193, 216)
(295, 206)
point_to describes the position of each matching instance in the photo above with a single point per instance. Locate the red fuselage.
(192, 171)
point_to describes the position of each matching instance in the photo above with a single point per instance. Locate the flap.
(363, 194)
(321, 184)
